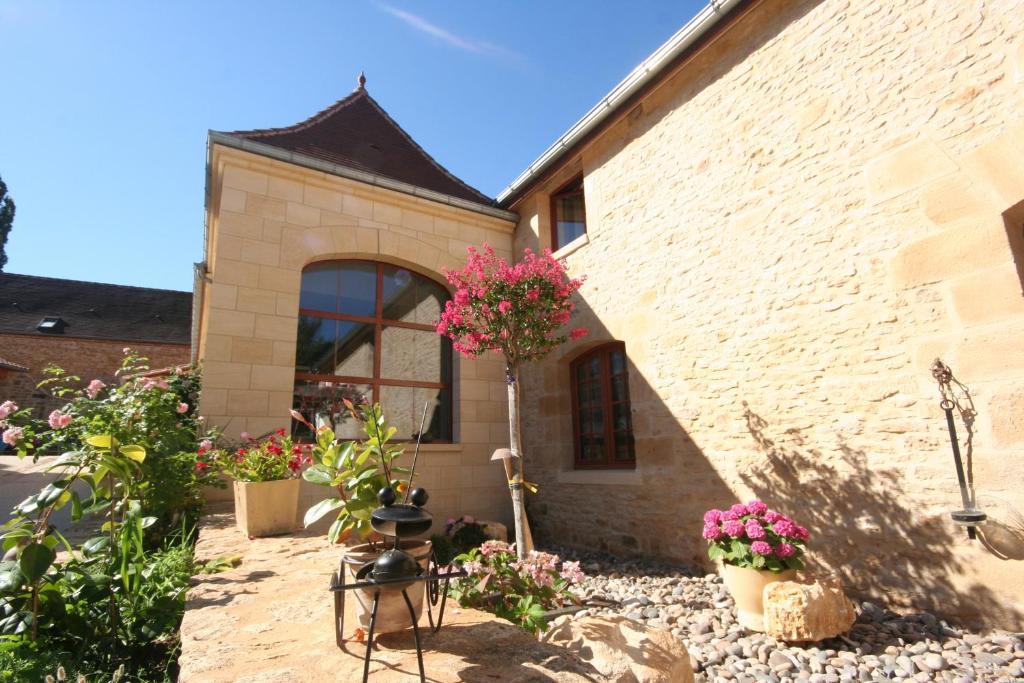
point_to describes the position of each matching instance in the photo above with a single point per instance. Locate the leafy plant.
(460, 536)
(519, 590)
(754, 537)
(518, 310)
(357, 470)
(273, 458)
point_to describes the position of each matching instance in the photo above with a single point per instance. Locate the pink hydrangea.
(94, 388)
(785, 550)
(727, 515)
(6, 408)
(784, 527)
(12, 435)
(801, 533)
(712, 516)
(771, 516)
(734, 528)
(571, 572)
(182, 408)
(761, 548)
(756, 507)
(491, 547)
(712, 532)
(59, 420)
(754, 530)
(739, 509)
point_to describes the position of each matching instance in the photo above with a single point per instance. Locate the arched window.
(602, 424)
(366, 333)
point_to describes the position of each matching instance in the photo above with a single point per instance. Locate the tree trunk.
(514, 466)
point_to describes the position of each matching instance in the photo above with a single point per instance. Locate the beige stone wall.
(267, 221)
(785, 234)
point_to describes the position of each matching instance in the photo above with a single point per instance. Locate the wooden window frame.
(604, 352)
(379, 322)
(558, 194)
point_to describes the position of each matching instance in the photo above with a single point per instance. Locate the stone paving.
(881, 646)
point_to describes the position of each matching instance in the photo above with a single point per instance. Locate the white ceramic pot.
(746, 587)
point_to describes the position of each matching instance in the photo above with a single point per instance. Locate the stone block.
(227, 271)
(300, 214)
(951, 253)
(359, 207)
(240, 225)
(222, 295)
(280, 279)
(906, 168)
(988, 295)
(276, 327)
(285, 188)
(224, 375)
(273, 377)
(218, 347)
(247, 403)
(267, 207)
(249, 350)
(287, 305)
(1006, 411)
(231, 323)
(232, 200)
(418, 221)
(955, 198)
(284, 353)
(256, 300)
(996, 167)
(387, 213)
(322, 198)
(624, 651)
(258, 251)
(245, 179)
(802, 612)
(990, 354)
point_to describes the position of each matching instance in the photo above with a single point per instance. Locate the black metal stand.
(436, 593)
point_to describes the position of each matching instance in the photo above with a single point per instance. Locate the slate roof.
(358, 133)
(94, 310)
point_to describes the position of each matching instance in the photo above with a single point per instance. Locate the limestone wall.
(267, 220)
(785, 234)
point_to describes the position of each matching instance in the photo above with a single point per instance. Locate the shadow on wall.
(878, 544)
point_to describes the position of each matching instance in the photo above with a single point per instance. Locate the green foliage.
(521, 591)
(358, 470)
(271, 459)
(6, 221)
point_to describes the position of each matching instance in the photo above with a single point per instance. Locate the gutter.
(352, 174)
(647, 71)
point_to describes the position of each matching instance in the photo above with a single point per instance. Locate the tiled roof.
(94, 310)
(356, 132)
(8, 365)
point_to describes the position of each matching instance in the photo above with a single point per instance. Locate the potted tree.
(266, 484)
(358, 471)
(754, 547)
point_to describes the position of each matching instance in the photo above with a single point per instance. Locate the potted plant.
(755, 546)
(358, 471)
(266, 484)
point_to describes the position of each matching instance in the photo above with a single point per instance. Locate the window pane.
(403, 408)
(414, 355)
(624, 447)
(618, 362)
(412, 298)
(354, 356)
(570, 218)
(619, 388)
(320, 287)
(314, 351)
(358, 288)
(620, 418)
(324, 401)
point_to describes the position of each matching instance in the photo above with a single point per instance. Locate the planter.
(392, 614)
(267, 508)
(746, 587)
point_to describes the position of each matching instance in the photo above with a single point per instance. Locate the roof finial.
(361, 80)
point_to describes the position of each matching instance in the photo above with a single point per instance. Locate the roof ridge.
(321, 115)
(93, 282)
(424, 152)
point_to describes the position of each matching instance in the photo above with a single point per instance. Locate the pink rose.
(12, 435)
(785, 550)
(761, 548)
(6, 408)
(734, 528)
(182, 408)
(94, 388)
(59, 420)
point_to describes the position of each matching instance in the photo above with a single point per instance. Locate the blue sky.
(105, 105)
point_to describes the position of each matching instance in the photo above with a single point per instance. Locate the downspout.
(685, 37)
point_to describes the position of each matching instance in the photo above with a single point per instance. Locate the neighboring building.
(784, 215)
(325, 247)
(83, 327)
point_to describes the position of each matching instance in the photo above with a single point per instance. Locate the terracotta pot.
(746, 587)
(392, 613)
(267, 508)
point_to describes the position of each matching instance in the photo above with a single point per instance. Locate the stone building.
(83, 327)
(784, 215)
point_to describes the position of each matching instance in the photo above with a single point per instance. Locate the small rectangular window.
(602, 424)
(568, 214)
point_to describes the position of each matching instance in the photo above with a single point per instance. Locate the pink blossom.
(12, 435)
(739, 509)
(491, 547)
(712, 532)
(6, 408)
(571, 572)
(784, 527)
(206, 444)
(801, 533)
(713, 516)
(59, 420)
(182, 408)
(761, 548)
(467, 519)
(504, 307)
(728, 515)
(785, 550)
(533, 295)
(462, 297)
(473, 567)
(771, 516)
(246, 436)
(579, 333)
(754, 530)
(756, 507)
(734, 528)
(94, 388)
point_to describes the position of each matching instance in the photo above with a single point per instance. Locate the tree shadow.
(860, 528)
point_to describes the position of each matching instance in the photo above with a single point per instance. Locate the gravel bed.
(881, 646)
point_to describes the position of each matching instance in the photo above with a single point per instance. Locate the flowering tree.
(518, 310)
